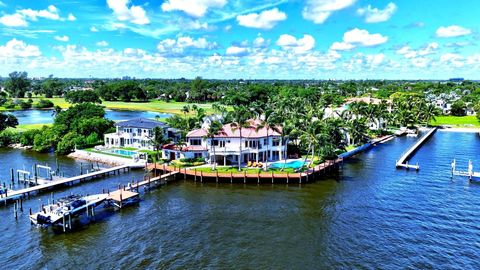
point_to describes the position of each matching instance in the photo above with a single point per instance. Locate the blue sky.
(223, 39)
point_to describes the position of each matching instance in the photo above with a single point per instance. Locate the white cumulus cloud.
(194, 8)
(452, 31)
(341, 46)
(184, 42)
(17, 48)
(318, 11)
(14, 20)
(234, 50)
(375, 15)
(266, 19)
(363, 37)
(358, 37)
(300, 45)
(126, 12)
(102, 43)
(93, 29)
(71, 17)
(62, 38)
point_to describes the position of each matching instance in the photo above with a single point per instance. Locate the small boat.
(68, 206)
(412, 133)
(402, 131)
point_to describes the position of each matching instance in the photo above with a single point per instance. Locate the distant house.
(227, 145)
(137, 133)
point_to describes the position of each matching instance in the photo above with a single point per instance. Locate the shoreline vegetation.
(317, 120)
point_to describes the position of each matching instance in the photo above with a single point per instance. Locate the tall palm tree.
(213, 130)
(269, 121)
(185, 110)
(240, 116)
(158, 139)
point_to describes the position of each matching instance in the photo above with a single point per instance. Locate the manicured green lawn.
(154, 105)
(21, 128)
(457, 121)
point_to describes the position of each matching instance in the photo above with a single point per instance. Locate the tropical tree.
(213, 130)
(240, 116)
(268, 120)
(157, 140)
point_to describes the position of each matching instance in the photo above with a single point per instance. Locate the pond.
(27, 117)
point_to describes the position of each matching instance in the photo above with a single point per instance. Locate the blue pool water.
(296, 164)
(123, 152)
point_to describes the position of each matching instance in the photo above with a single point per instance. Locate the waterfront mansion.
(137, 133)
(254, 143)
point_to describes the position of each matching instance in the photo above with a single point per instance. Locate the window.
(197, 155)
(264, 141)
(195, 142)
(275, 142)
(219, 143)
(139, 131)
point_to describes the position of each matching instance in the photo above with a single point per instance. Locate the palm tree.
(213, 130)
(269, 121)
(185, 109)
(158, 140)
(240, 116)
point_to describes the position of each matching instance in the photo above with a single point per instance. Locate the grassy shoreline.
(153, 105)
(456, 121)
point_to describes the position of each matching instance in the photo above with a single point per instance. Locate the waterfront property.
(137, 133)
(258, 145)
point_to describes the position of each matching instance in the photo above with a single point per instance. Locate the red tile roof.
(228, 132)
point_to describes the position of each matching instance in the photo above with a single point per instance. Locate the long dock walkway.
(403, 161)
(16, 194)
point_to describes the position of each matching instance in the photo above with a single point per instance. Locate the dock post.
(63, 222)
(185, 173)
(244, 177)
(258, 178)
(195, 179)
(69, 221)
(231, 177)
(15, 214)
(287, 178)
(21, 204)
(201, 177)
(273, 177)
(217, 177)
(12, 176)
(81, 168)
(121, 200)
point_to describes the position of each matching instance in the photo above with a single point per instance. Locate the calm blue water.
(290, 164)
(371, 216)
(45, 116)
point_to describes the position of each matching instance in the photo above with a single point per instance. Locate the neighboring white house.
(136, 133)
(227, 145)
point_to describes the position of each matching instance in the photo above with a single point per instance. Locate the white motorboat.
(68, 206)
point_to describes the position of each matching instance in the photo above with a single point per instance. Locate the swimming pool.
(122, 152)
(295, 164)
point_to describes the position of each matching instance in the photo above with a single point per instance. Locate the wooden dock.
(403, 161)
(131, 191)
(16, 194)
(261, 177)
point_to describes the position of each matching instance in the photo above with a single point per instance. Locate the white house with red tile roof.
(227, 145)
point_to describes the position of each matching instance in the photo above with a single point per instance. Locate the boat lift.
(472, 176)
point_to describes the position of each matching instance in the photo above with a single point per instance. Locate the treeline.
(80, 126)
(228, 92)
